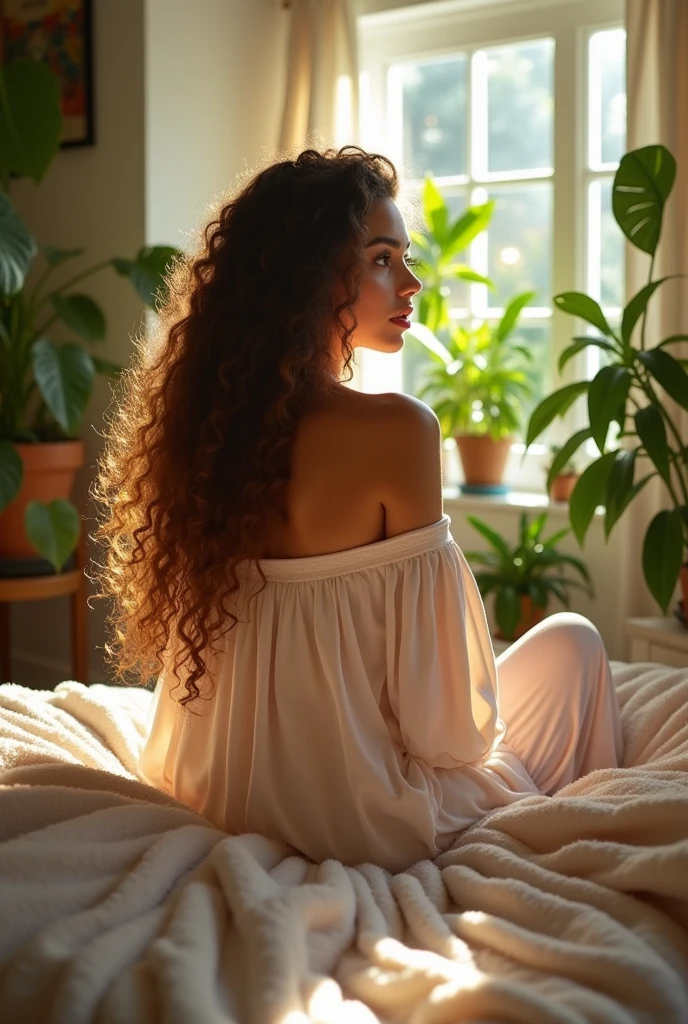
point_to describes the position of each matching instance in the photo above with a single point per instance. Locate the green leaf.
(462, 272)
(106, 368)
(581, 305)
(435, 211)
(663, 555)
(535, 528)
(555, 538)
(642, 184)
(619, 485)
(579, 344)
(11, 473)
(147, 272)
(650, 428)
(491, 536)
(512, 313)
(82, 314)
(427, 338)
(590, 491)
(30, 118)
(576, 563)
(608, 391)
(57, 256)
(508, 611)
(553, 405)
(637, 306)
(17, 248)
(566, 452)
(621, 503)
(467, 227)
(65, 379)
(53, 529)
(668, 372)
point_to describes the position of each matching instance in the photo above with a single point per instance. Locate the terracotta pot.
(49, 472)
(562, 486)
(482, 458)
(530, 616)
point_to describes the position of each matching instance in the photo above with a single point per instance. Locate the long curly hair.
(196, 456)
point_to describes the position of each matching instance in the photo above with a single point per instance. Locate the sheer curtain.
(321, 95)
(657, 89)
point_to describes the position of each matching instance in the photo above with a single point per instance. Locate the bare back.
(352, 477)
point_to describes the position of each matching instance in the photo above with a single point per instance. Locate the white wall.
(213, 99)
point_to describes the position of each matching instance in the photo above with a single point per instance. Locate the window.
(523, 103)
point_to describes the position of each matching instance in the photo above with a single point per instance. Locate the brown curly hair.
(196, 457)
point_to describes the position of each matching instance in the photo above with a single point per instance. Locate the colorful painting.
(57, 32)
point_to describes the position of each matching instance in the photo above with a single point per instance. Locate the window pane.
(520, 105)
(433, 115)
(536, 336)
(605, 247)
(607, 97)
(612, 252)
(520, 243)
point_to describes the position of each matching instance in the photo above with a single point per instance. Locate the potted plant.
(480, 376)
(45, 386)
(624, 391)
(524, 577)
(477, 385)
(560, 484)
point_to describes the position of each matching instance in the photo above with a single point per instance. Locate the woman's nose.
(413, 286)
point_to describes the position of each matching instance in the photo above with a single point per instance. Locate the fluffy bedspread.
(119, 905)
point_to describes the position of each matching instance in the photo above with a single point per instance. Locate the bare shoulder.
(408, 451)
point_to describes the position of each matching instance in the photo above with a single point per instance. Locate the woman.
(280, 561)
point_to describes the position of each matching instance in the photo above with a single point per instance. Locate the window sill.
(518, 500)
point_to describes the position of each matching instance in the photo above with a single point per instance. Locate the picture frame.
(60, 33)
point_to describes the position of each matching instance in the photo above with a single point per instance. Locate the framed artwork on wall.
(58, 32)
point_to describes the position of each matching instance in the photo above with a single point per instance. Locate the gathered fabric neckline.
(367, 556)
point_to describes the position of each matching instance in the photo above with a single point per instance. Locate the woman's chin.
(388, 344)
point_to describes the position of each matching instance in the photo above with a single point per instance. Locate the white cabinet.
(662, 640)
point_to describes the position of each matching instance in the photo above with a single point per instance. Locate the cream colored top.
(355, 708)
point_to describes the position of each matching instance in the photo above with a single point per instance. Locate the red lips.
(403, 314)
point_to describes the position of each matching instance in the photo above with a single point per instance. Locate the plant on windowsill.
(45, 387)
(563, 479)
(525, 576)
(481, 375)
(625, 392)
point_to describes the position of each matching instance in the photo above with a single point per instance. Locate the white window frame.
(443, 27)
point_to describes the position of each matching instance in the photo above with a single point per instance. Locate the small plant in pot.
(477, 387)
(629, 393)
(561, 479)
(45, 386)
(481, 374)
(525, 576)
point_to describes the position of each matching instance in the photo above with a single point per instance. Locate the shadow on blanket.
(119, 904)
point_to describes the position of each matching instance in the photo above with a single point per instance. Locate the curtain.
(321, 96)
(657, 90)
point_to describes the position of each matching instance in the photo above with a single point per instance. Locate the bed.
(119, 905)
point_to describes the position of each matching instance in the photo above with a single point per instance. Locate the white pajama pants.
(558, 703)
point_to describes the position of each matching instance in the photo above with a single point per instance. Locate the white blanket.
(118, 905)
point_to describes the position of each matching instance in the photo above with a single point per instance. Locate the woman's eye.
(386, 256)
